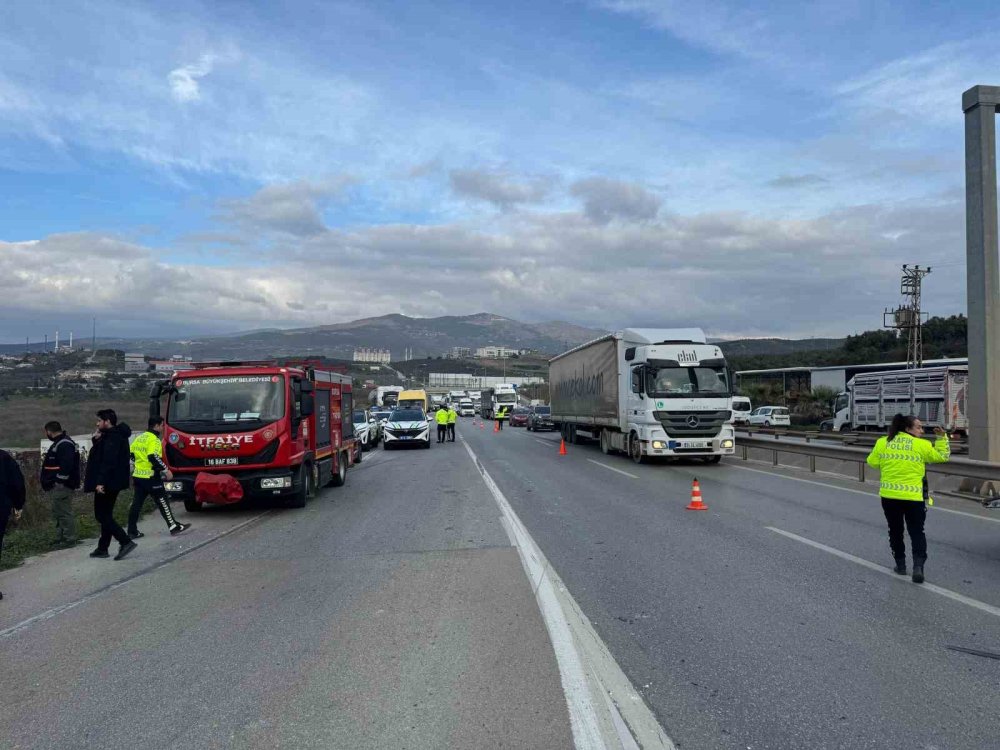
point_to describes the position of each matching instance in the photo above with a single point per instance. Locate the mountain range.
(423, 336)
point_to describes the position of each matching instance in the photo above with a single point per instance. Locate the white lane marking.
(947, 593)
(546, 443)
(612, 468)
(55, 611)
(561, 622)
(870, 493)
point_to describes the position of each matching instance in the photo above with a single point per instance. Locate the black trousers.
(3, 530)
(911, 513)
(143, 488)
(104, 512)
(442, 432)
(451, 432)
(500, 425)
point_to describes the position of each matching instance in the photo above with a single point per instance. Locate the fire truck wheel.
(298, 500)
(340, 476)
(192, 506)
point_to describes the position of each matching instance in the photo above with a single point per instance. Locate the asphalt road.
(391, 613)
(740, 636)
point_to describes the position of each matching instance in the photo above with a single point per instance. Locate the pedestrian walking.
(147, 479)
(60, 479)
(11, 493)
(452, 418)
(901, 458)
(441, 418)
(107, 475)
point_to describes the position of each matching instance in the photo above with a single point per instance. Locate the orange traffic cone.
(696, 503)
(482, 425)
(496, 427)
(562, 447)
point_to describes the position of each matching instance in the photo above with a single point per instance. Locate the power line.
(908, 316)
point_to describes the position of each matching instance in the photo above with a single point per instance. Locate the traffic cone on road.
(496, 427)
(696, 503)
(562, 447)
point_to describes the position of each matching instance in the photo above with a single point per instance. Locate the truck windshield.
(245, 400)
(506, 398)
(667, 382)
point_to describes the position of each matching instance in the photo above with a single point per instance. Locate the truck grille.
(692, 424)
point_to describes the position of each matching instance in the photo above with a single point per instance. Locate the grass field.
(22, 417)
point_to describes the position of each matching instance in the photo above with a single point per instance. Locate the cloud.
(184, 80)
(731, 273)
(796, 181)
(497, 188)
(290, 208)
(605, 199)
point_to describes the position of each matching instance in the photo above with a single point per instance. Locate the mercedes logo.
(693, 421)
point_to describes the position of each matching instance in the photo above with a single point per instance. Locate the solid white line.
(55, 611)
(548, 588)
(612, 468)
(947, 593)
(870, 493)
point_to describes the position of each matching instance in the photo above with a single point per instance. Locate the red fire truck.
(259, 429)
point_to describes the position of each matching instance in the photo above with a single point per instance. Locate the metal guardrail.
(845, 438)
(964, 468)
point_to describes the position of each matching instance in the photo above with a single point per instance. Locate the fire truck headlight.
(173, 486)
(275, 483)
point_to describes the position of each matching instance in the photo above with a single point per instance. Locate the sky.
(755, 169)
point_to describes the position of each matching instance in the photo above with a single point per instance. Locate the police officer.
(60, 478)
(901, 457)
(501, 416)
(452, 418)
(441, 417)
(147, 479)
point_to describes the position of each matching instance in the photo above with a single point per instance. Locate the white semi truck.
(492, 399)
(936, 395)
(385, 395)
(646, 392)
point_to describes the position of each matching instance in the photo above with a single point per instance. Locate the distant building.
(496, 352)
(373, 356)
(467, 380)
(807, 379)
(459, 352)
(136, 363)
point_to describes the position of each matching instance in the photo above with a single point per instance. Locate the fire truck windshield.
(245, 401)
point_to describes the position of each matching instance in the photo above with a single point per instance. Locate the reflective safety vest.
(144, 445)
(502, 412)
(902, 464)
(441, 417)
(452, 416)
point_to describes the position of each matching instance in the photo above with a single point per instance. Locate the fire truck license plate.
(230, 461)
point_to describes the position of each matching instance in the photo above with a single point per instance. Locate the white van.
(466, 408)
(741, 409)
(771, 416)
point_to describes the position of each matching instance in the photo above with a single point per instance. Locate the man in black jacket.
(11, 492)
(107, 475)
(60, 478)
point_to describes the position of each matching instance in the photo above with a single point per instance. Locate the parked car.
(741, 410)
(540, 418)
(363, 429)
(518, 417)
(466, 409)
(407, 427)
(381, 416)
(771, 416)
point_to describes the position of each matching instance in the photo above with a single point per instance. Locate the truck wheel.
(635, 449)
(340, 476)
(193, 506)
(605, 442)
(298, 500)
(358, 453)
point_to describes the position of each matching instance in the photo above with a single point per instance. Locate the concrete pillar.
(983, 271)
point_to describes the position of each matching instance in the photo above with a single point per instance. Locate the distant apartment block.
(373, 356)
(496, 352)
(459, 352)
(136, 363)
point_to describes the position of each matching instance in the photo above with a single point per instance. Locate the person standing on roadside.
(452, 418)
(107, 475)
(501, 416)
(11, 493)
(60, 478)
(901, 458)
(441, 418)
(147, 479)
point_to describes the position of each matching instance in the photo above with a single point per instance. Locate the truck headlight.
(173, 486)
(275, 483)
(727, 443)
(659, 445)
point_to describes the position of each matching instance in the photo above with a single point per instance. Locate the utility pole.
(93, 340)
(908, 316)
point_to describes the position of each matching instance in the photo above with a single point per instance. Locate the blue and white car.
(407, 427)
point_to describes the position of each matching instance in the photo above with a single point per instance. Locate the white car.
(741, 410)
(381, 416)
(366, 434)
(407, 427)
(466, 409)
(771, 416)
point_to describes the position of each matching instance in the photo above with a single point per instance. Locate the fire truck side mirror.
(308, 404)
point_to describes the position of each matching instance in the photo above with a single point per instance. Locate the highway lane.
(391, 613)
(738, 636)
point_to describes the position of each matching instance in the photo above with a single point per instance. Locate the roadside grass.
(35, 532)
(22, 417)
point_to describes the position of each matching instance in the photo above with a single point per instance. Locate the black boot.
(900, 568)
(918, 571)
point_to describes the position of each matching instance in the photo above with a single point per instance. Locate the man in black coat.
(108, 471)
(11, 492)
